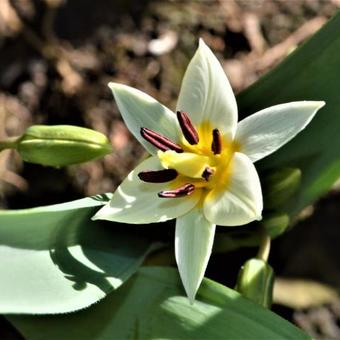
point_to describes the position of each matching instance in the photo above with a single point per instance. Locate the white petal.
(264, 132)
(137, 202)
(140, 110)
(193, 243)
(240, 200)
(206, 94)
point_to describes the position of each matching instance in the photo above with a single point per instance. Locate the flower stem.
(9, 143)
(264, 249)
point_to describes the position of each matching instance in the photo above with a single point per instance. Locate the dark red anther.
(159, 141)
(187, 127)
(159, 176)
(216, 145)
(207, 173)
(185, 190)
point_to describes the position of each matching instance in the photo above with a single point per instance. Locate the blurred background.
(57, 56)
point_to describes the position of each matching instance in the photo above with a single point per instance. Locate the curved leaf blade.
(312, 72)
(54, 259)
(152, 305)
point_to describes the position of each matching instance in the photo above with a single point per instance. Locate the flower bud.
(255, 282)
(60, 145)
(280, 186)
(275, 224)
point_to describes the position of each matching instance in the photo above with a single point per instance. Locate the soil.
(57, 57)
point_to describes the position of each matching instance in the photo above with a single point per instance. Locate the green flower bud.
(280, 186)
(255, 282)
(60, 145)
(275, 224)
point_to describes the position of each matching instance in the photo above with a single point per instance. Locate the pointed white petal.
(137, 202)
(264, 132)
(206, 94)
(239, 201)
(193, 243)
(140, 110)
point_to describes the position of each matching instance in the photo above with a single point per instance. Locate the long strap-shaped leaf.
(152, 305)
(312, 72)
(54, 259)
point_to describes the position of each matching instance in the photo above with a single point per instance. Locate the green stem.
(9, 143)
(264, 248)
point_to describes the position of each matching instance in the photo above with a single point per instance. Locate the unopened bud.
(255, 282)
(280, 186)
(61, 145)
(275, 224)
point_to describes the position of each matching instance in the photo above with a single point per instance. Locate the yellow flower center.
(198, 164)
(201, 160)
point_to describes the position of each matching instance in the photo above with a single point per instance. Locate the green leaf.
(312, 72)
(54, 259)
(152, 305)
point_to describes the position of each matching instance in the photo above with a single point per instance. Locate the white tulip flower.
(201, 168)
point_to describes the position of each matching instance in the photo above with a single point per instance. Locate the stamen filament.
(185, 190)
(161, 142)
(216, 145)
(158, 176)
(188, 129)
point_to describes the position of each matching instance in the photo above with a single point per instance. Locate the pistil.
(185, 190)
(188, 129)
(159, 176)
(161, 142)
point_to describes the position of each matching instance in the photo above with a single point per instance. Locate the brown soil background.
(57, 56)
